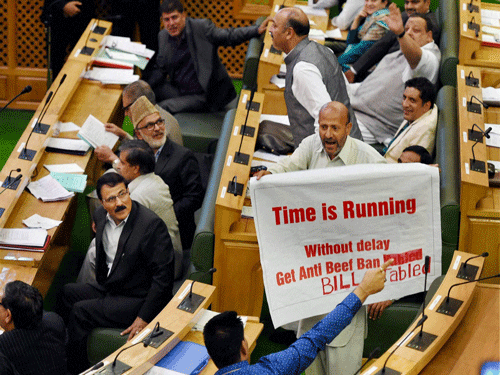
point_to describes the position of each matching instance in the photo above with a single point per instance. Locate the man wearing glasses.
(134, 271)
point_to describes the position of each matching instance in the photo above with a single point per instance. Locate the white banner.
(320, 230)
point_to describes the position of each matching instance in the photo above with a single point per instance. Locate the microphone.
(26, 90)
(9, 183)
(467, 282)
(88, 50)
(39, 126)
(477, 165)
(238, 156)
(154, 333)
(192, 301)
(383, 370)
(477, 136)
(12, 183)
(427, 267)
(120, 352)
(97, 366)
(484, 255)
(474, 107)
(370, 357)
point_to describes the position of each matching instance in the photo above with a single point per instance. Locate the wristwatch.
(115, 164)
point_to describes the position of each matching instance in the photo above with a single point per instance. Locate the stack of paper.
(67, 146)
(49, 190)
(111, 76)
(94, 133)
(24, 239)
(72, 182)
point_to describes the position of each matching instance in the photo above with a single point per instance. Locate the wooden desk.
(475, 341)
(239, 282)
(472, 50)
(180, 323)
(410, 361)
(75, 100)
(480, 203)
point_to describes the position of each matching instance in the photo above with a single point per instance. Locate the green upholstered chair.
(448, 42)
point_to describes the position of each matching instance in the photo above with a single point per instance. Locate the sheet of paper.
(111, 75)
(71, 182)
(49, 190)
(280, 82)
(494, 140)
(67, 126)
(310, 11)
(334, 34)
(268, 156)
(94, 133)
(23, 236)
(282, 119)
(121, 55)
(490, 21)
(37, 221)
(491, 96)
(64, 168)
(68, 144)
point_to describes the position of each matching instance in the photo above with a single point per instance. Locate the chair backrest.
(447, 156)
(252, 59)
(448, 42)
(202, 249)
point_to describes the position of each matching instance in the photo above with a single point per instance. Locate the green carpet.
(12, 125)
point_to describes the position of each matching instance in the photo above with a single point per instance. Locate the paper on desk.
(37, 221)
(316, 34)
(334, 34)
(490, 14)
(23, 236)
(64, 168)
(492, 31)
(491, 96)
(486, 21)
(67, 126)
(68, 144)
(494, 140)
(496, 163)
(49, 190)
(280, 82)
(114, 54)
(126, 45)
(281, 119)
(94, 133)
(70, 181)
(111, 75)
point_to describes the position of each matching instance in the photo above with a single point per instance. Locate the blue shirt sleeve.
(302, 352)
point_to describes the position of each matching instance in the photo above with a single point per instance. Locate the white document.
(68, 144)
(122, 55)
(94, 133)
(491, 96)
(334, 34)
(64, 168)
(494, 140)
(261, 154)
(111, 75)
(48, 189)
(281, 119)
(310, 11)
(23, 236)
(320, 230)
(490, 22)
(37, 221)
(156, 370)
(67, 126)
(280, 82)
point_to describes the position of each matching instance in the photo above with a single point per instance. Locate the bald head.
(334, 127)
(289, 27)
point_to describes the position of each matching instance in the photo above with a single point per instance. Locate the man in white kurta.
(332, 147)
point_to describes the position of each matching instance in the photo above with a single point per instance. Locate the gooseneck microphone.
(40, 127)
(370, 357)
(484, 255)
(211, 271)
(192, 301)
(427, 267)
(467, 282)
(26, 90)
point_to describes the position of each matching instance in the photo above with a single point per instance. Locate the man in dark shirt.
(189, 76)
(33, 342)
(389, 42)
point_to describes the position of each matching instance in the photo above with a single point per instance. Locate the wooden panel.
(3, 87)
(484, 235)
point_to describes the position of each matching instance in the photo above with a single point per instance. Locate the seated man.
(332, 147)
(130, 94)
(33, 341)
(188, 75)
(228, 348)
(137, 163)
(134, 271)
(415, 154)
(421, 116)
(176, 165)
(377, 100)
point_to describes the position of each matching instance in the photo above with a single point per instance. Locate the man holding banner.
(332, 147)
(225, 342)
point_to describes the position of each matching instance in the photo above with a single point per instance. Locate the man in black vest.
(313, 74)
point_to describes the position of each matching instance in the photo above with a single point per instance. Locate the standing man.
(134, 271)
(189, 76)
(389, 42)
(313, 74)
(33, 341)
(377, 100)
(421, 116)
(332, 147)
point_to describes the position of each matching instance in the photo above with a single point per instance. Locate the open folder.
(185, 358)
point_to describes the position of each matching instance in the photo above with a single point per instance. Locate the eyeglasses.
(150, 125)
(127, 106)
(112, 199)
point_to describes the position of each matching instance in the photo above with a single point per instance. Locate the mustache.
(120, 208)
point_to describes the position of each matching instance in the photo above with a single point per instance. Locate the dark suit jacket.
(144, 263)
(178, 167)
(38, 351)
(203, 39)
(385, 45)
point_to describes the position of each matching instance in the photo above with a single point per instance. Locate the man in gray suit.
(188, 75)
